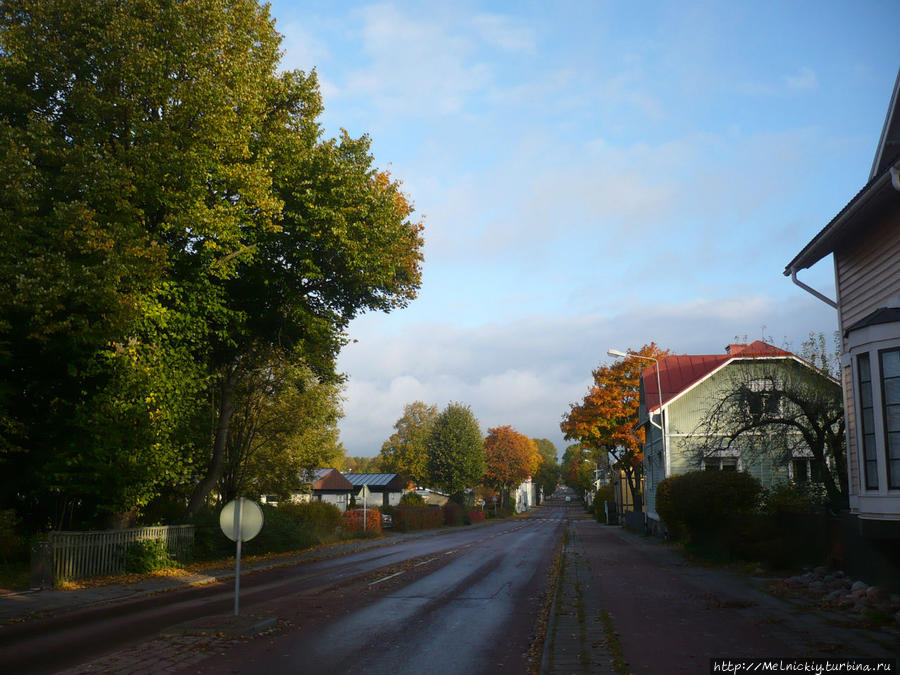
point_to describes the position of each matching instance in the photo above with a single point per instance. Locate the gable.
(680, 373)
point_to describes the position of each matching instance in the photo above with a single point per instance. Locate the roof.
(330, 479)
(873, 195)
(879, 316)
(888, 150)
(679, 372)
(376, 480)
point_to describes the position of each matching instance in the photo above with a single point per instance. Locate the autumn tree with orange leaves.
(510, 458)
(604, 422)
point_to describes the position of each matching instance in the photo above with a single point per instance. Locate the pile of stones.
(833, 589)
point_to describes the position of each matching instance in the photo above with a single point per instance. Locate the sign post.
(365, 497)
(240, 520)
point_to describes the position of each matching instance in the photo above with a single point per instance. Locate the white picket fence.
(79, 555)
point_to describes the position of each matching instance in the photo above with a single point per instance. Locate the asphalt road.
(464, 600)
(470, 608)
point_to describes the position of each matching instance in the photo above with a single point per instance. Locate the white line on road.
(390, 576)
(424, 562)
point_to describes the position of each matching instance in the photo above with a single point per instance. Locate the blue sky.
(593, 175)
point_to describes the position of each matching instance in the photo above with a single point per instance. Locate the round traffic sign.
(251, 516)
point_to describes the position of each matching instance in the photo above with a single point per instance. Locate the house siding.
(868, 272)
(850, 417)
(655, 464)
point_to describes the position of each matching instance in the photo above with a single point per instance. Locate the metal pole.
(237, 573)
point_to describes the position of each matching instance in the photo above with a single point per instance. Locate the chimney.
(731, 350)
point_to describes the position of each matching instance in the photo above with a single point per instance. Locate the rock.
(876, 595)
(897, 616)
(839, 574)
(895, 600)
(858, 585)
(846, 600)
(820, 571)
(834, 596)
(817, 587)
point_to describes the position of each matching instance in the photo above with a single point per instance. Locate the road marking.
(390, 576)
(424, 562)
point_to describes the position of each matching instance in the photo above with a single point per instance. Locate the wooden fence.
(79, 555)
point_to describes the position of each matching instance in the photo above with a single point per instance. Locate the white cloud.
(804, 78)
(502, 32)
(416, 66)
(527, 372)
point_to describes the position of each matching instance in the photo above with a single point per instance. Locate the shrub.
(407, 518)
(147, 555)
(359, 520)
(598, 506)
(412, 499)
(476, 516)
(453, 514)
(287, 527)
(793, 498)
(703, 504)
(12, 547)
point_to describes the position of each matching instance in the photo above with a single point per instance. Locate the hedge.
(408, 518)
(359, 520)
(701, 505)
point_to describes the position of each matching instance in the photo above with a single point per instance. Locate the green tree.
(127, 175)
(284, 423)
(577, 469)
(405, 452)
(548, 473)
(455, 451)
(345, 245)
(360, 465)
(176, 218)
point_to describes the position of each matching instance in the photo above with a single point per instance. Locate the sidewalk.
(669, 616)
(26, 605)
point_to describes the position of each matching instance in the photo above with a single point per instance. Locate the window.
(720, 464)
(867, 422)
(890, 397)
(806, 470)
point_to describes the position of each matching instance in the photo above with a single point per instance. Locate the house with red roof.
(324, 485)
(676, 404)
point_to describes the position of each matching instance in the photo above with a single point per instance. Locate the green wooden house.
(680, 436)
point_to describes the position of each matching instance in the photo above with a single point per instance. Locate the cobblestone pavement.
(576, 640)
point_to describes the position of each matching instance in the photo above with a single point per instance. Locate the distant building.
(385, 489)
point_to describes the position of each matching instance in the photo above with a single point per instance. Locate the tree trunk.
(217, 464)
(637, 499)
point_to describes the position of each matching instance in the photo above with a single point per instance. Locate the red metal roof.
(331, 479)
(679, 372)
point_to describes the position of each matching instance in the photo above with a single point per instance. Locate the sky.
(593, 175)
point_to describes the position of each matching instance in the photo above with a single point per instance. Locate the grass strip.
(613, 645)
